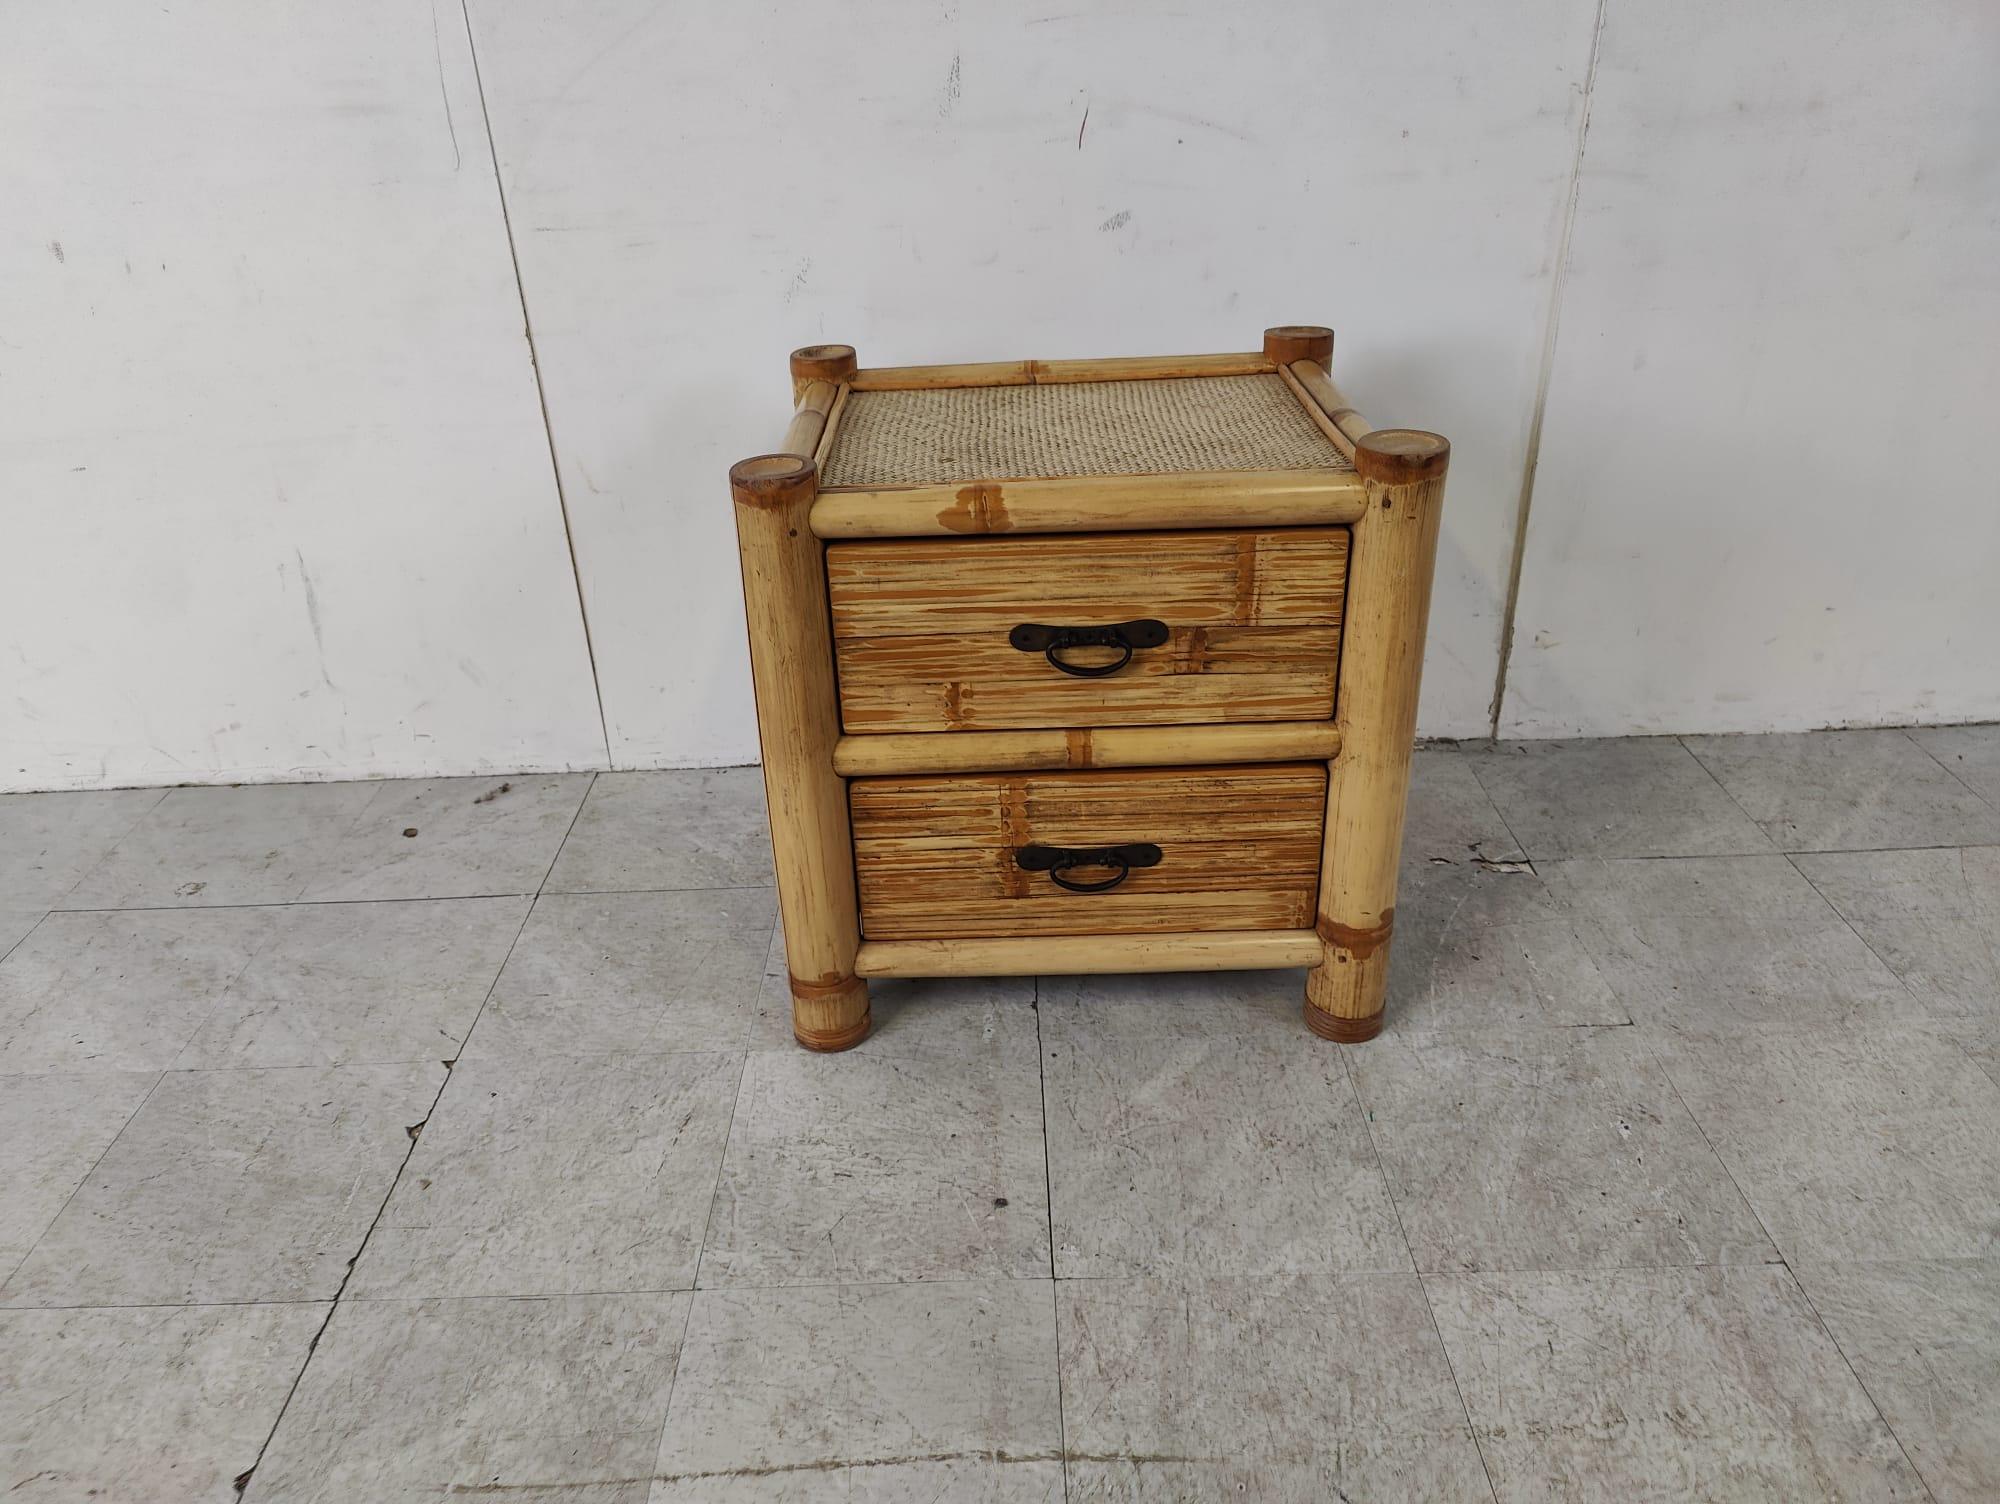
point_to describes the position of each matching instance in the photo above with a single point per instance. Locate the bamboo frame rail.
(832, 429)
(1059, 955)
(1315, 388)
(809, 422)
(1046, 372)
(1095, 504)
(1103, 747)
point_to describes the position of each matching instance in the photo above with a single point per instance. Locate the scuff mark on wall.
(954, 89)
(312, 616)
(796, 286)
(1117, 221)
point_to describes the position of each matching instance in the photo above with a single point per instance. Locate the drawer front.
(1238, 849)
(925, 639)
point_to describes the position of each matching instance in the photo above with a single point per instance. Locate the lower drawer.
(1214, 848)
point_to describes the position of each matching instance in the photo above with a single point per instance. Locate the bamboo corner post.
(1294, 342)
(1389, 591)
(833, 364)
(791, 664)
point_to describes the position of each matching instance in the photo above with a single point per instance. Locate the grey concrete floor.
(416, 1140)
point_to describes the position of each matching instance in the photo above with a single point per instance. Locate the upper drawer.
(922, 629)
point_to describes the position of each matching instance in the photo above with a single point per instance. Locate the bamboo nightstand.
(1104, 665)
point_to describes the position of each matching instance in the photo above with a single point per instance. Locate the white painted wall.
(693, 196)
(1767, 496)
(276, 498)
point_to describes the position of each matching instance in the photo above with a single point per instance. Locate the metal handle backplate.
(1058, 860)
(1034, 637)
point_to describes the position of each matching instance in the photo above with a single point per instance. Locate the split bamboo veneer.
(1075, 665)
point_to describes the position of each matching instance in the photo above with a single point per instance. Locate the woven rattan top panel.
(1080, 428)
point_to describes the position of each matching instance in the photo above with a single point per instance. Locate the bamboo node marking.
(812, 992)
(1358, 943)
(978, 509)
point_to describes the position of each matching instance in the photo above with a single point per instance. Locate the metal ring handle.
(1057, 860)
(1126, 636)
(1084, 670)
(1124, 871)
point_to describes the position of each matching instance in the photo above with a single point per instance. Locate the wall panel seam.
(541, 392)
(1532, 460)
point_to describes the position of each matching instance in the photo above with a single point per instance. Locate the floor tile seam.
(244, 1478)
(1472, 767)
(117, 842)
(440, 1298)
(1362, 1273)
(225, 994)
(427, 1059)
(778, 1287)
(300, 899)
(1927, 1015)
(1665, 1068)
(364, 812)
(1735, 803)
(708, 1221)
(415, 1133)
(1860, 1383)
(1685, 856)
(1492, 800)
(1483, 1031)
(431, 899)
(1410, 1253)
(1049, 1211)
(1911, 733)
(1790, 1276)
(167, 1305)
(575, 815)
(1784, 1262)
(1260, 1278)
(22, 939)
(1892, 850)
(527, 915)
(1990, 1072)
(289, 903)
(1535, 857)
(548, 892)
(339, 836)
(82, 1181)
(1917, 1003)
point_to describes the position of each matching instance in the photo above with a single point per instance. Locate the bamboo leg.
(798, 722)
(1381, 662)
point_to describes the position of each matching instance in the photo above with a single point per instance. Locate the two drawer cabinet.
(1087, 666)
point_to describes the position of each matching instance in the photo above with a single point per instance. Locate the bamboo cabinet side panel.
(1240, 850)
(1253, 617)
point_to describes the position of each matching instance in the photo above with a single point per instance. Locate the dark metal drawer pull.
(1056, 860)
(1033, 637)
